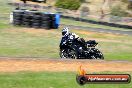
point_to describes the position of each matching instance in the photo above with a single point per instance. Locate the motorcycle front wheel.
(68, 53)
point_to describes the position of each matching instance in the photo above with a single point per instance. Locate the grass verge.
(25, 42)
(50, 80)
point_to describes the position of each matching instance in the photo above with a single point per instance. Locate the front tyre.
(63, 54)
(68, 53)
(72, 54)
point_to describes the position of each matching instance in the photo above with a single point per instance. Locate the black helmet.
(65, 31)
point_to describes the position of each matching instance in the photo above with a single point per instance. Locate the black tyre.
(63, 54)
(28, 13)
(45, 27)
(68, 53)
(17, 18)
(17, 14)
(26, 23)
(97, 54)
(36, 18)
(37, 15)
(72, 54)
(31, 20)
(36, 21)
(100, 55)
(16, 23)
(45, 15)
(25, 19)
(45, 18)
(46, 22)
(36, 24)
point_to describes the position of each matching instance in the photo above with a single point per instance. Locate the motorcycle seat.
(91, 43)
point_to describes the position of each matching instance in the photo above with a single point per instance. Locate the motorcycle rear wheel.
(97, 54)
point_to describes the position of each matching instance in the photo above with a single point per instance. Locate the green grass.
(49, 80)
(4, 24)
(84, 24)
(116, 51)
(22, 42)
(4, 6)
(5, 10)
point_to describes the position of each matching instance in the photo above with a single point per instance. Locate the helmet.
(65, 31)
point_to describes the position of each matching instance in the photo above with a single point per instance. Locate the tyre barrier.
(97, 22)
(36, 19)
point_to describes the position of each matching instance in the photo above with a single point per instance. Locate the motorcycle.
(79, 49)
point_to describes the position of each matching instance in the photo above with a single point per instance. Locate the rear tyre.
(101, 55)
(97, 54)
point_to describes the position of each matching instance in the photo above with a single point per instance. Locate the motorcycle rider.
(72, 46)
(66, 34)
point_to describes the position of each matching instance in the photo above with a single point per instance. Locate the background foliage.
(68, 4)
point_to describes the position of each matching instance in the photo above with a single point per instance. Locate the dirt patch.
(10, 65)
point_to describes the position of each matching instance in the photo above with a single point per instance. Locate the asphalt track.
(101, 30)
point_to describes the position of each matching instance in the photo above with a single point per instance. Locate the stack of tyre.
(18, 17)
(27, 19)
(35, 1)
(36, 19)
(46, 21)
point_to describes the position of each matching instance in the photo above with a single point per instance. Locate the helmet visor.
(63, 33)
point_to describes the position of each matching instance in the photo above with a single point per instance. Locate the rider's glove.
(75, 35)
